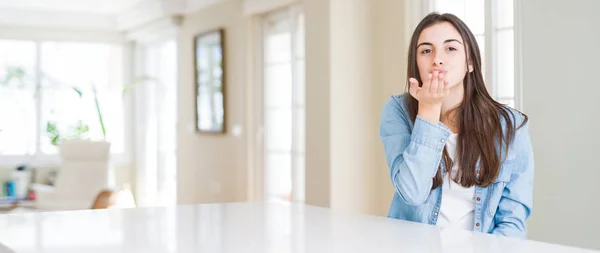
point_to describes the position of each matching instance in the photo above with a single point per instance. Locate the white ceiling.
(94, 15)
(89, 6)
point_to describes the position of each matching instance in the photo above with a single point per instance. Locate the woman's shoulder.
(517, 118)
(398, 100)
(396, 104)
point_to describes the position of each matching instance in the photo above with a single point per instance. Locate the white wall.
(353, 124)
(318, 77)
(391, 34)
(354, 61)
(561, 56)
(211, 168)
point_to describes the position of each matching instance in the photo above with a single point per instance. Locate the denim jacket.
(413, 152)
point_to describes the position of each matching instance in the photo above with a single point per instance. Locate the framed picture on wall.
(209, 76)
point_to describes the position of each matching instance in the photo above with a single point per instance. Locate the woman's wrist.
(430, 113)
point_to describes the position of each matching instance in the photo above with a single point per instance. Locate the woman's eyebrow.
(424, 44)
(430, 44)
(450, 40)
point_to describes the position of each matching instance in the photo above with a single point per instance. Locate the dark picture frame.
(210, 82)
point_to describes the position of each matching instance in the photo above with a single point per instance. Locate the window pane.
(278, 42)
(156, 137)
(17, 101)
(284, 99)
(472, 12)
(505, 64)
(505, 13)
(70, 67)
(278, 85)
(475, 16)
(299, 50)
(456, 7)
(299, 129)
(299, 85)
(279, 129)
(509, 102)
(481, 43)
(167, 74)
(279, 175)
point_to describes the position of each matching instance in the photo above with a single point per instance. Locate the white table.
(241, 227)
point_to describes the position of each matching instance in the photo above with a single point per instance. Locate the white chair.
(83, 174)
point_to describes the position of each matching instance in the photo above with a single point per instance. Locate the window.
(17, 102)
(155, 124)
(283, 62)
(492, 23)
(44, 81)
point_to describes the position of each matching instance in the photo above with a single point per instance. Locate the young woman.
(456, 157)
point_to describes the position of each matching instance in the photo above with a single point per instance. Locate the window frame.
(258, 171)
(40, 159)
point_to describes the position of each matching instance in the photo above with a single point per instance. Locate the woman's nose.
(437, 59)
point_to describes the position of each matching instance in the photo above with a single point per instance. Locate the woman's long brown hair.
(479, 116)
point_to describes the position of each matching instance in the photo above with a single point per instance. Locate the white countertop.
(241, 227)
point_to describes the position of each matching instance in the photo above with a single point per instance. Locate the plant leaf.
(54, 140)
(98, 111)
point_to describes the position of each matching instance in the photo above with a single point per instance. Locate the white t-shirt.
(458, 204)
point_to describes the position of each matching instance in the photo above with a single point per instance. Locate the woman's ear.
(470, 68)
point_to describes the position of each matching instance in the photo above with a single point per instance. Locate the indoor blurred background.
(121, 103)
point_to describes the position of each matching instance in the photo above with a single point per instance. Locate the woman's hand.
(430, 96)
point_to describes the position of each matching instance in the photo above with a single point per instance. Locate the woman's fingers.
(413, 87)
(446, 88)
(441, 82)
(433, 89)
(434, 83)
(427, 82)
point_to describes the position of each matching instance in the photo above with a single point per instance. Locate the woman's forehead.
(440, 33)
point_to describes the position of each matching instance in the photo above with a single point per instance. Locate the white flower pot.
(84, 150)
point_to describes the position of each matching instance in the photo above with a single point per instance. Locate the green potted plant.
(78, 130)
(77, 133)
(73, 140)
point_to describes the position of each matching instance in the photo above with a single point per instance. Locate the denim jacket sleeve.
(516, 202)
(413, 156)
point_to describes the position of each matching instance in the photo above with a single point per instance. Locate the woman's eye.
(452, 49)
(426, 51)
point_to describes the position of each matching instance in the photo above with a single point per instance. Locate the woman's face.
(441, 48)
